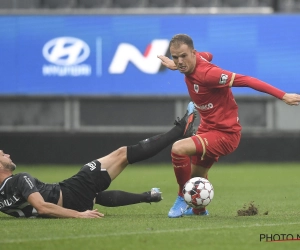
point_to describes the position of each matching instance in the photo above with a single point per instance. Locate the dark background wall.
(79, 148)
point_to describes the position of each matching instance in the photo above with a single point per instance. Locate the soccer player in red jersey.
(219, 131)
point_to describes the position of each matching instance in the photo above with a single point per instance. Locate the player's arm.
(254, 83)
(166, 61)
(291, 99)
(48, 209)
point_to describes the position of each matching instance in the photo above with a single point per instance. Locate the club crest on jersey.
(196, 88)
(223, 79)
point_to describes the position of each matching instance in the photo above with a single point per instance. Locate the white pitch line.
(143, 232)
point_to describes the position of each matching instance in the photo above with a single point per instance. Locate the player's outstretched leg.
(117, 198)
(192, 211)
(153, 145)
(154, 195)
(117, 161)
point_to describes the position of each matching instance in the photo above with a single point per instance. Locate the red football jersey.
(210, 89)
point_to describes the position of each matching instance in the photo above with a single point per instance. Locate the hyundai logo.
(66, 51)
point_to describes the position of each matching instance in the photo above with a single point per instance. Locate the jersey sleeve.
(254, 83)
(206, 55)
(26, 185)
(216, 77)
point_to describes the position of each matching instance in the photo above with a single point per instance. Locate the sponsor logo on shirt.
(30, 184)
(223, 79)
(204, 106)
(8, 202)
(91, 165)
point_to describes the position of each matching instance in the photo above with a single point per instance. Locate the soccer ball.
(198, 192)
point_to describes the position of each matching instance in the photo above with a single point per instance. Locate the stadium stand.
(57, 4)
(129, 3)
(13, 4)
(94, 3)
(202, 3)
(165, 3)
(289, 6)
(265, 3)
(150, 5)
(28, 4)
(6, 4)
(238, 3)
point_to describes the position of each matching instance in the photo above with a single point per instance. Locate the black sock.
(153, 145)
(116, 198)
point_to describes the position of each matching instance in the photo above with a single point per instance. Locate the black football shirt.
(14, 191)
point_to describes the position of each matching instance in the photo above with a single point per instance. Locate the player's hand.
(91, 214)
(291, 99)
(166, 61)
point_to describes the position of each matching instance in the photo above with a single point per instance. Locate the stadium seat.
(165, 3)
(290, 6)
(93, 3)
(53, 4)
(6, 4)
(129, 3)
(265, 3)
(239, 3)
(27, 4)
(297, 5)
(202, 3)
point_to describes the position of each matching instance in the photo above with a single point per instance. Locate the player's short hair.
(179, 39)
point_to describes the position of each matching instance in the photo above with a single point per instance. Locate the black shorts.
(80, 190)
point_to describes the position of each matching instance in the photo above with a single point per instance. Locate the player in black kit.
(22, 195)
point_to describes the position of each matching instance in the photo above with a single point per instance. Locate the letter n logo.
(147, 62)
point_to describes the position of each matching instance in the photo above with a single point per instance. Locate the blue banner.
(116, 54)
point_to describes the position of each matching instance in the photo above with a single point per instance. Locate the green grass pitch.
(272, 187)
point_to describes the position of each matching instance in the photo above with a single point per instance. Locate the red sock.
(182, 170)
(199, 210)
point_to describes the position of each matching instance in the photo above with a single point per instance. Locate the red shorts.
(213, 144)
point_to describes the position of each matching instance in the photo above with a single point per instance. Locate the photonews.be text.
(278, 237)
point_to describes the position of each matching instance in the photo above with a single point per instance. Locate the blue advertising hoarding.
(116, 54)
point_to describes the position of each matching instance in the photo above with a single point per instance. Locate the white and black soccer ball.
(198, 192)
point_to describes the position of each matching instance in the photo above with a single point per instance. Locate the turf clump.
(248, 210)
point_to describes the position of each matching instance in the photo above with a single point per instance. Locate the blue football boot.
(189, 211)
(178, 208)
